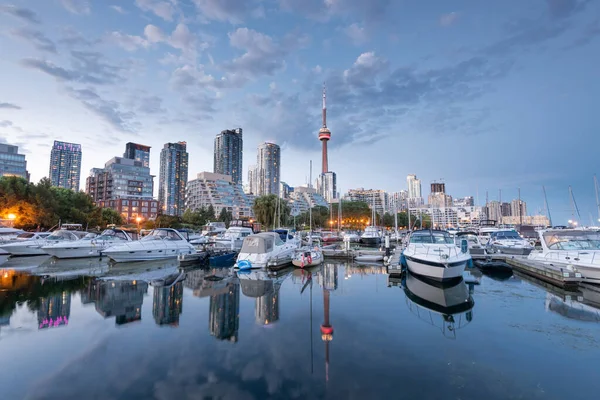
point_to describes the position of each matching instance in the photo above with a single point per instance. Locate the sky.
(482, 95)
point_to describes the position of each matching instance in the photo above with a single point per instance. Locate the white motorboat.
(433, 254)
(214, 229)
(31, 243)
(161, 243)
(308, 256)
(351, 237)
(475, 246)
(371, 235)
(4, 256)
(440, 306)
(90, 246)
(233, 238)
(485, 233)
(571, 248)
(508, 241)
(9, 233)
(265, 249)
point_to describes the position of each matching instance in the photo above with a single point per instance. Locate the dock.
(555, 275)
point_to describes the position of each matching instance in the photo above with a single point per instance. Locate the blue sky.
(485, 95)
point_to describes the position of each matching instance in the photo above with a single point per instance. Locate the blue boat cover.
(244, 265)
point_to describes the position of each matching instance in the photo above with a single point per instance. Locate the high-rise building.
(518, 208)
(268, 169)
(327, 186)
(494, 211)
(11, 162)
(438, 187)
(228, 156)
(121, 299)
(505, 209)
(219, 191)
(301, 198)
(126, 186)
(415, 198)
(464, 202)
(173, 178)
(440, 199)
(398, 201)
(65, 165)
(138, 152)
(373, 197)
(252, 180)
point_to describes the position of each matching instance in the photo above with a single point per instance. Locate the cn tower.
(324, 133)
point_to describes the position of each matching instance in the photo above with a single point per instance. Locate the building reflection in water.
(328, 278)
(265, 289)
(224, 310)
(121, 299)
(54, 310)
(168, 304)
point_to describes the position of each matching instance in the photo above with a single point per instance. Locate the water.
(144, 333)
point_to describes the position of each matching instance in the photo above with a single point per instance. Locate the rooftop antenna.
(547, 208)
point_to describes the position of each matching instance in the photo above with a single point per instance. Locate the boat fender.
(403, 260)
(244, 265)
(309, 258)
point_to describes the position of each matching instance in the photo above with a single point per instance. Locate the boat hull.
(145, 255)
(316, 259)
(512, 250)
(591, 273)
(75, 252)
(4, 258)
(21, 251)
(370, 240)
(436, 270)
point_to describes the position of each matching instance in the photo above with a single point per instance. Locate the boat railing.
(429, 250)
(574, 256)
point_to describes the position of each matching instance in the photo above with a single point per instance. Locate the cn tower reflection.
(329, 282)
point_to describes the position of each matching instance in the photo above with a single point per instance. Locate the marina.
(233, 327)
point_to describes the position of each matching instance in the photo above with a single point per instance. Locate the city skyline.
(451, 80)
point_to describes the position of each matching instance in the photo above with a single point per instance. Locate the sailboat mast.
(597, 200)
(547, 208)
(310, 208)
(574, 202)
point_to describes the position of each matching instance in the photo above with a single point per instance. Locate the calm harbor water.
(82, 330)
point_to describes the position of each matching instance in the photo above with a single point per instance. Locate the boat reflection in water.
(264, 288)
(447, 307)
(572, 307)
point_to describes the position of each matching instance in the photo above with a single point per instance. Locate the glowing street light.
(138, 220)
(12, 217)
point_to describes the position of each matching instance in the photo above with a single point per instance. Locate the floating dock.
(555, 275)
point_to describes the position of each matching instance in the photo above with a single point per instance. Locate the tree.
(266, 210)
(195, 218)
(110, 216)
(225, 216)
(210, 214)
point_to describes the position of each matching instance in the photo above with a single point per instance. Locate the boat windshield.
(89, 236)
(431, 237)
(572, 240)
(26, 235)
(506, 235)
(161, 234)
(110, 234)
(62, 236)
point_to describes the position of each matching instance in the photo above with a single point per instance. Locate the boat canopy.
(504, 235)
(431, 237)
(568, 239)
(163, 234)
(61, 234)
(261, 243)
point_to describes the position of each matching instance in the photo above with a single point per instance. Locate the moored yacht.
(473, 243)
(31, 243)
(90, 246)
(508, 241)
(371, 235)
(9, 234)
(265, 249)
(576, 248)
(308, 256)
(159, 244)
(214, 229)
(232, 238)
(433, 254)
(351, 237)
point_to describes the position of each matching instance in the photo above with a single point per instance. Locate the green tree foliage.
(265, 210)
(110, 216)
(225, 216)
(168, 221)
(42, 206)
(210, 213)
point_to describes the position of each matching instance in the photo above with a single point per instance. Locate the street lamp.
(12, 217)
(138, 220)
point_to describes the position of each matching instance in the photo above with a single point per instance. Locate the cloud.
(162, 9)
(323, 10)
(560, 9)
(118, 9)
(36, 38)
(590, 32)
(22, 13)
(88, 67)
(449, 19)
(73, 38)
(262, 54)
(356, 33)
(233, 11)
(9, 106)
(5, 124)
(181, 38)
(77, 6)
(108, 110)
